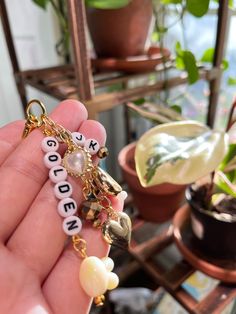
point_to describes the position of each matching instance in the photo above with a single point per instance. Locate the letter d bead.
(63, 189)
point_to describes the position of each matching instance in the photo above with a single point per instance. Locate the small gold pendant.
(106, 183)
(118, 233)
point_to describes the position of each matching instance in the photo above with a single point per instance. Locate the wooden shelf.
(60, 82)
(171, 279)
(81, 83)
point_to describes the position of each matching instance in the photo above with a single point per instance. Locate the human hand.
(39, 273)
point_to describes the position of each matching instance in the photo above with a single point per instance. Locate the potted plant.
(157, 203)
(119, 28)
(184, 153)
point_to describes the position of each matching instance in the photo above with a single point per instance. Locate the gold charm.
(91, 210)
(106, 183)
(118, 232)
(77, 161)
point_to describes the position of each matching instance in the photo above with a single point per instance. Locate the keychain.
(96, 276)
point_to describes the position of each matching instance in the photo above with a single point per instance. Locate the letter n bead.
(72, 225)
(67, 207)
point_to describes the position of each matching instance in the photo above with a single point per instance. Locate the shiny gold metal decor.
(118, 232)
(106, 183)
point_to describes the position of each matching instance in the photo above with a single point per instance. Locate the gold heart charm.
(118, 232)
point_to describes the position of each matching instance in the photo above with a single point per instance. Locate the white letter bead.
(72, 225)
(67, 207)
(92, 146)
(57, 174)
(52, 159)
(49, 144)
(63, 189)
(78, 138)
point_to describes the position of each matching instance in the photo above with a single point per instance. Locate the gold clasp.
(32, 121)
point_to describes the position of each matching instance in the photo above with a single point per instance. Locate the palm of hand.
(39, 272)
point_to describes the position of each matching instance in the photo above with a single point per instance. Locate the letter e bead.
(67, 207)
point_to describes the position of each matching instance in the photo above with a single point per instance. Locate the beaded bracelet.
(95, 274)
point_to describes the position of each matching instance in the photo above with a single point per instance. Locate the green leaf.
(225, 178)
(139, 101)
(185, 60)
(41, 3)
(178, 49)
(208, 56)
(155, 37)
(231, 154)
(178, 153)
(190, 66)
(231, 80)
(197, 8)
(176, 108)
(225, 64)
(171, 1)
(107, 4)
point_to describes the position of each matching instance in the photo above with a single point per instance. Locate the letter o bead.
(67, 207)
(57, 174)
(49, 144)
(63, 189)
(72, 225)
(52, 159)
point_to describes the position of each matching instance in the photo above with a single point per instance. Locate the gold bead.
(90, 210)
(99, 301)
(97, 223)
(103, 152)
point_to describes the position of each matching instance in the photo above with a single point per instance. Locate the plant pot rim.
(218, 216)
(122, 159)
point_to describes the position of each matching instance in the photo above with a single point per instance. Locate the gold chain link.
(80, 245)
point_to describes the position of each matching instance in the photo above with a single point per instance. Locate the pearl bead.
(63, 189)
(49, 144)
(78, 138)
(122, 196)
(67, 207)
(52, 159)
(76, 162)
(113, 281)
(92, 146)
(108, 262)
(93, 276)
(72, 225)
(57, 174)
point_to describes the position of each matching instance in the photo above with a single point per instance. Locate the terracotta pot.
(121, 32)
(155, 204)
(214, 233)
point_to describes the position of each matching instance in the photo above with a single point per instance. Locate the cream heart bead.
(93, 276)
